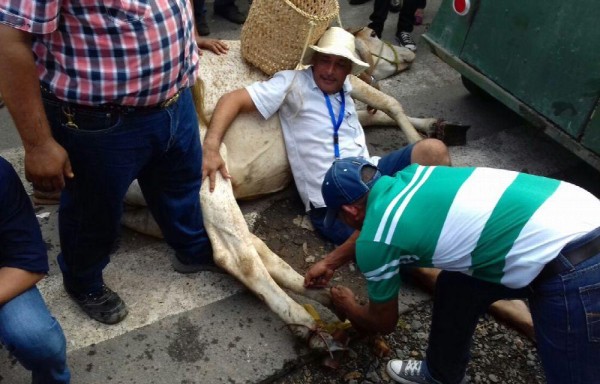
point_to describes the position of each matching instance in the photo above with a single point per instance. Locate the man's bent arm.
(227, 109)
(319, 275)
(370, 318)
(14, 281)
(46, 162)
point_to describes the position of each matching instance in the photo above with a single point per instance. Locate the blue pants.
(34, 337)
(339, 232)
(565, 310)
(108, 150)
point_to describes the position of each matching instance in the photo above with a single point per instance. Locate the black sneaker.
(406, 40)
(231, 13)
(105, 306)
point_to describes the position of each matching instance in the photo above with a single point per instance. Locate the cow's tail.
(198, 95)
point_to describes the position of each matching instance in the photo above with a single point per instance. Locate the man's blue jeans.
(34, 337)
(566, 316)
(108, 150)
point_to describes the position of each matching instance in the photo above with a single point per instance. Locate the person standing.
(27, 329)
(495, 234)
(104, 99)
(406, 20)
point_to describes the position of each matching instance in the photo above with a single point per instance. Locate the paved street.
(206, 327)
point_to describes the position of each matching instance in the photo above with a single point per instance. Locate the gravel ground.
(499, 355)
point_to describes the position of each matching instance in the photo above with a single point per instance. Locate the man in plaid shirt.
(103, 100)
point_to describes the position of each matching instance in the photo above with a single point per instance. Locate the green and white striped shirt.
(497, 225)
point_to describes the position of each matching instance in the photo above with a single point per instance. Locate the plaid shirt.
(128, 52)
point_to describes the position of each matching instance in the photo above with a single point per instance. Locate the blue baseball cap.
(343, 185)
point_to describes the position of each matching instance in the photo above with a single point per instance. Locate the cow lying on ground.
(255, 154)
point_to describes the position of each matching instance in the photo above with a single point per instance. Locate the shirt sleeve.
(38, 17)
(268, 96)
(21, 243)
(379, 263)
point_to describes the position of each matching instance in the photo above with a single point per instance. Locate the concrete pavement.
(206, 327)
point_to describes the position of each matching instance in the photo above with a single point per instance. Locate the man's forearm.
(343, 254)
(20, 87)
(227, 109)
(14, 281)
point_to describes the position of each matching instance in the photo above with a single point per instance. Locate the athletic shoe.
(411, 372)
(406, 40)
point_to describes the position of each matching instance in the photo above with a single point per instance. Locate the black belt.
(575, 256)
(110, 107)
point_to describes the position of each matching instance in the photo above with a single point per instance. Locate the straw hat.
(339, 42)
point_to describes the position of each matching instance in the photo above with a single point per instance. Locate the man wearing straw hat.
(319, 123)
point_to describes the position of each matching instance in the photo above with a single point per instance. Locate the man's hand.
(343, 299)
(47, 165)
(319, 275)
(211, 163)
(216, 46)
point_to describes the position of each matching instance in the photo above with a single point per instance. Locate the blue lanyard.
(336, 123)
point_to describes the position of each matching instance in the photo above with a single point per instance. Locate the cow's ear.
(363, 52)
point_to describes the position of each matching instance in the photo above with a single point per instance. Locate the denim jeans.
(566, 316)
(34, 337)
(339, 232)
(108, 150)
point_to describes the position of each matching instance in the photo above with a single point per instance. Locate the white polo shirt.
(307, 127)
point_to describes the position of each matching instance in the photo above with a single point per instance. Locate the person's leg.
(380, 13)
(459, 301)
(406, 17)
(430, 152)
(200, 18)
(396, 160)
(106, 150)
(229, 10)
(34, 337)
(91, 203)
(565, 310)
(171, 186)
(338, 233)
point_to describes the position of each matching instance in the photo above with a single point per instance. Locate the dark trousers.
(406, 17)
(108, 150)
(564, 308)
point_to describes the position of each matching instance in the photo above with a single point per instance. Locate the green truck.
(539, 58)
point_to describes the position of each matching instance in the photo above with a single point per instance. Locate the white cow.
(255, 154)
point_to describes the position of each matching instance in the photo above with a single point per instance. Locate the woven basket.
(276, 32)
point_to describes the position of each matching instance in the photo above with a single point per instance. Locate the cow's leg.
(379, 100)
(234, 251)
(425, 125)
(286, 276)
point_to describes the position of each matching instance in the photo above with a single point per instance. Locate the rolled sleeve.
(37, 17)
(21, 243)
(268, 96)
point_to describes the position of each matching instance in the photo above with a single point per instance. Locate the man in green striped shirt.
(496, 234)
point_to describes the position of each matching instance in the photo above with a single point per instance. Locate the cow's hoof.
(452, 134)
